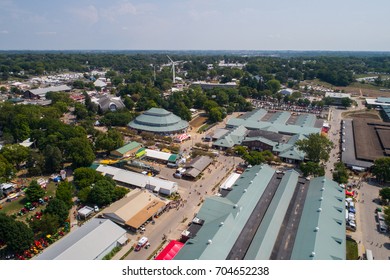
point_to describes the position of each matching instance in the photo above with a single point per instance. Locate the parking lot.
(368, 235)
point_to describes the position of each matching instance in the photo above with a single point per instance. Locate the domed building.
(158, 120)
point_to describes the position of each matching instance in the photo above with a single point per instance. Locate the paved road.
(368, 235)
(334, 136)
(173, 222)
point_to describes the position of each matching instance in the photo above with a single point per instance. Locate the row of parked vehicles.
(350, 213)
(381, 221)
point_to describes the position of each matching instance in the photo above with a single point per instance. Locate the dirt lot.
(198, 121)
(374, 115)
(366, 90)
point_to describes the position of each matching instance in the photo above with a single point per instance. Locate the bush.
(112, 253)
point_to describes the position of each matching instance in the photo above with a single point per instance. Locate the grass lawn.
(15, 206)
(352, 250)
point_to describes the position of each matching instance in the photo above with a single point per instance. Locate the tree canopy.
(317, 147)
(16, 235)
(381, 169)
(34, 192)
(340, 174)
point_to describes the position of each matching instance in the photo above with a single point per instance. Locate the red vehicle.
(141, 243)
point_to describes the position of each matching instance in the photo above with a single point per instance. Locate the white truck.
(141, 243)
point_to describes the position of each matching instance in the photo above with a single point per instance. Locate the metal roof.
(348, 155)
(85, 243)
(128, 147)
(321, 232)
(137, 179)
(233, 137)
(158, 154)
(265, 238)
(158, 120)
(277, 123)
(134, 209)
(43, 91)
(225, 217)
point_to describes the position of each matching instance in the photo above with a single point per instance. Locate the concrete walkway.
(124, 249)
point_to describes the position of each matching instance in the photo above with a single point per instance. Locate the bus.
(369, 255)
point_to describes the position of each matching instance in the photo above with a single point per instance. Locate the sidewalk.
(124, 249)
(358, 234)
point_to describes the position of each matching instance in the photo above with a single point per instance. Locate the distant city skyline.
(347, 25)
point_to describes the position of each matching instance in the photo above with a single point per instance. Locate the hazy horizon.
(211, 25)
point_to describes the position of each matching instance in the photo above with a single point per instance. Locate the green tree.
(6, 168)
(216, 114)
(83, 194)
(273, 86)
(346, 102)
(254, 157)
(35, 163)
(240, 150)
(340, 174)
(16, 235)
(387, 215)
(48, 224)
(312, 168)
(34, 191)
(385, 193)
(129, 103)
(381, 169)
(317, 147)
(109, 141)
(120, 192)
(79, 151)
(59, 209)
(84, 177)
(15, 153)
(64, 192)
(80, 111)
(102, 193)
(53, 159)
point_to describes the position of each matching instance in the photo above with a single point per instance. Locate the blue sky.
(195, 24)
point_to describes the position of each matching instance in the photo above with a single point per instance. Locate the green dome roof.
(159, 121)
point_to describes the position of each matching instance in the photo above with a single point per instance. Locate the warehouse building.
(273, 131)
(265, 215)
(128, 150)
(364, 141)
(136, 209)
(136, 180)
(92, 241)
(40, 93)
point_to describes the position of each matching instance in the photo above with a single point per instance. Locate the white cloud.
(122, 9)
(89, 14)
(4, 32)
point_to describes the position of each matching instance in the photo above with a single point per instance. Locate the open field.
(367, 90)
(15, 206)
(356, 88)
(198, 121)
(363, 114)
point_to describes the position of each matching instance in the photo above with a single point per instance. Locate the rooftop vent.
(235, 206)
(312, 254)
(321, 198)
(316, 229)
(319, 209)
(322, 189)
(221, 224)
(209, 242)
(245, 190)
